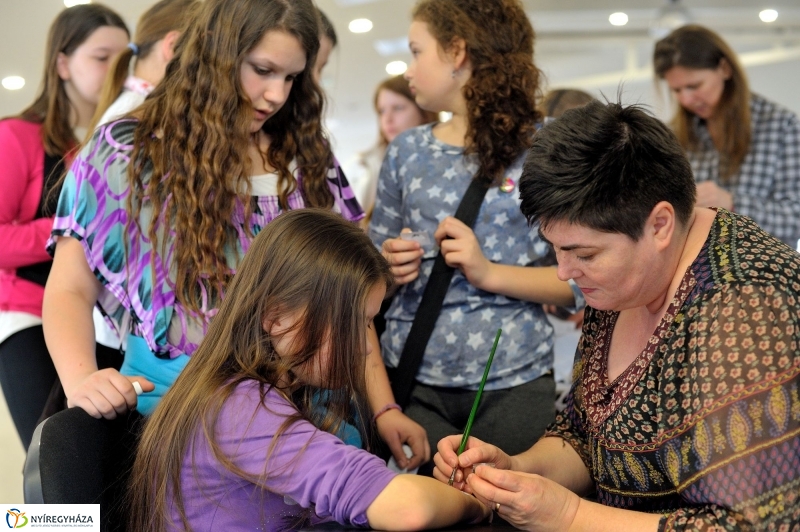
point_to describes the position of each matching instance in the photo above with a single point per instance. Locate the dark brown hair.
(310, 263)
(696, 47)
(399, 85)
(502, 92)
(154, 24)
(51, 108)
(195, 175)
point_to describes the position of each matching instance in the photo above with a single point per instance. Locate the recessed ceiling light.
(13, 83)
(618, 19)
(72, 3)
(396, 68)
(360, 25)
(768, 15)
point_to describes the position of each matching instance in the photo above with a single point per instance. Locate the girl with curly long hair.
(473, 58)
(237, 442)
(160, 206)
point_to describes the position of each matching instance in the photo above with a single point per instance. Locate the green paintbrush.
(471, 418)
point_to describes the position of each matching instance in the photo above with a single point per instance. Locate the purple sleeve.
(341, 486)
(345, 201)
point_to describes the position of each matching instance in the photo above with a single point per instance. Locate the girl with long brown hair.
(473, 58)
(158, 209)
(397, 111)
(34, 146)
(241, 443)
(152, 47)
(744, 149)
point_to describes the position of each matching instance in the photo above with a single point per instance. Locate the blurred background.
(596, 45)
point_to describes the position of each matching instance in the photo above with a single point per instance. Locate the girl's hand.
(404, 256)
(461, 250)
(529, 502)
(107, 393)
(476, 452)
(395, 429)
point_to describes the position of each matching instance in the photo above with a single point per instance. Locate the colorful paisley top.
(92, 209)
(704, 426)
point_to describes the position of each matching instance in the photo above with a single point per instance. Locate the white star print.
(456, 316)
(415, 215)
(434, 192)
(415, 184)
(475, 340)
(451, 338)
(487, 314)
(491, 241)
(450, 173)
(501, 219)
(451, 198)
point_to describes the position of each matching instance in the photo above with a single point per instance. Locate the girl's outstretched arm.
(412, 502)
(69, 297)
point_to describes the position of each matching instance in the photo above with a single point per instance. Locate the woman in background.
(744, 149)
(82, 42)
(397, 112)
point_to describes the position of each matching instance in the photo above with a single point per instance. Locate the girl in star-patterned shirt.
(472, 58)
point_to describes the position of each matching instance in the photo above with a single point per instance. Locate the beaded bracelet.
(386, 408)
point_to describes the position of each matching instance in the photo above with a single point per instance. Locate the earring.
(454, 73)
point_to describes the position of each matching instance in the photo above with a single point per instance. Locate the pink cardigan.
(22, 239)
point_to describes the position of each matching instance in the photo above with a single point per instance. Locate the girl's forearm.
(529, 283)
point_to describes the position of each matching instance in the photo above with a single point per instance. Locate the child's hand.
(461, 250)
(405, 257)
(106, 393)
(395, 429)
(477, 452)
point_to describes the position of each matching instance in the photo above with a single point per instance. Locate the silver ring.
(497, 507)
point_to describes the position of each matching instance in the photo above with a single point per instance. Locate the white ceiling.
(575, 46)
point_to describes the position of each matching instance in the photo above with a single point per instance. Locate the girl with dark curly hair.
(473, 58)
(158, 209)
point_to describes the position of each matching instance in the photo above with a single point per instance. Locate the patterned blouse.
(767, 186)
(704, 425)
(92, 209)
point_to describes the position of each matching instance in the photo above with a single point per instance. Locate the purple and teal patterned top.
(92, 209)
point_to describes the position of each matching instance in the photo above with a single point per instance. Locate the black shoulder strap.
(404, 376)
(53, 170)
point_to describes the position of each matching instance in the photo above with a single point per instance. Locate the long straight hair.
(399, 85)
(154, 24)
(309, 263)
(502, 92)
(697, 47)
(197, 172)
(51, 107)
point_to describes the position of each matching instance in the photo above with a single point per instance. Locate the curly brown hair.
(190, 160)
(502, 92)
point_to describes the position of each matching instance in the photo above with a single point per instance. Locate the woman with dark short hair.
(684, 410)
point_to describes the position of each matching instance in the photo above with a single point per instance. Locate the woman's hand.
(529, 502)
(404, 256)
(476, 452)
(395, 429)
(107, 393)
(709, 194)
(461, 250)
